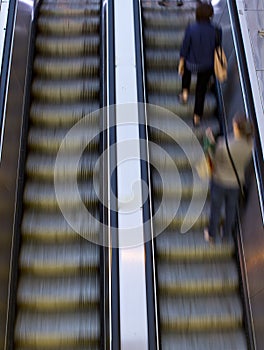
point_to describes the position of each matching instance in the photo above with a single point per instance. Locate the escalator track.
(58, 290)
(198, 286)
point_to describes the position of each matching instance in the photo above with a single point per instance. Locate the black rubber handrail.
(241, 57)
(115, 297)
(104, 249)
(238, 237)
(9, 340)
(5, 67)
(153, 336)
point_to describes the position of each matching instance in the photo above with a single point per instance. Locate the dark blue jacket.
(198, 46)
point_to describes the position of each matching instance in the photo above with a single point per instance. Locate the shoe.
(207, 237)
(179, 3)
(196, 120)
(183, 99)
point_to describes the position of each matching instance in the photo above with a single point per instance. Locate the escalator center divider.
(153, 329)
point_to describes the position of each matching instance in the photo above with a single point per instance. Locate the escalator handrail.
(112, 183)
(12, 288)
(249, 101)
(5, 67)
(105, 253)
(238, 237)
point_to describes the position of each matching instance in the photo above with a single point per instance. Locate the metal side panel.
(9, 163)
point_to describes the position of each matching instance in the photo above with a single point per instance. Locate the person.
(197, 56)
(225, 190)
(166, 3)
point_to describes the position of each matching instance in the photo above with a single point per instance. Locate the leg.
(217, 199)
(186, 82)
(200, 91)
(186, 79)
(231, 203)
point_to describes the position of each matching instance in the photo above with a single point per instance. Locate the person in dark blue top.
(197, 56)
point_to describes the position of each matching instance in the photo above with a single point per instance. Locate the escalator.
(58, 290)
(198, 285)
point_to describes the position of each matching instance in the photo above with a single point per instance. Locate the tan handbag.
(220, 64)
(220, 61)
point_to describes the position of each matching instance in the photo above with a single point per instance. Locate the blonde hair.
(244, 125)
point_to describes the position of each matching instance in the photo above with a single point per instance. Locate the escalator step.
(66, 68)
(226, 340)
(61, 293)
(192, 247)
(201, 313)
(42, 196)
(61, 25)
(167, 184)
(41, 166)
(48, 227)
(184, 110)
(55, 259)
(67, 46)
(198, 277)
(165, 39)
(54, 115)
(70, 8)
(52, 330)
(50, 140)
(58, 91)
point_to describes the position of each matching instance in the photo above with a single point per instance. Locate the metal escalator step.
(191, 246)
(61, 293)
(68, 46)
(171, 102)
(76, 8)
(52, 227)
(52, 330)
(50, 140)
(58, 91)
(68, 114)
(163, 18)
(166, 82)
(199, 278)
(159, 59)
(55, 259)
(71, 25)
(41, 166)
(201, 313)
(226, 340)
(164, 39)
(166, 126)
(42, 196)
(193, 213)
(167, 185)
(186, 155)
(54, 67)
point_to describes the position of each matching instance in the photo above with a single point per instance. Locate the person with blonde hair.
(226, 181)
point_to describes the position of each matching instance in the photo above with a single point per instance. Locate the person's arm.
(184, 50)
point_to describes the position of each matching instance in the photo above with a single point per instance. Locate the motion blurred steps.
(49, 227)
(191, 246)
(68, 67)
(197, 283)
(41, 166)
(58, 293)
(66, 115)
(198, 277)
